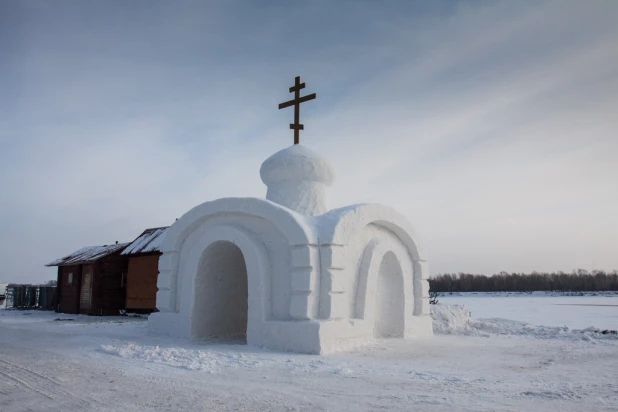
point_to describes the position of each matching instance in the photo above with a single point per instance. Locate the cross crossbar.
(300, 86)
(296, 126)
(301, 100)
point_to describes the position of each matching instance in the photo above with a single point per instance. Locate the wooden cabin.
(92, 280)
(143, 254)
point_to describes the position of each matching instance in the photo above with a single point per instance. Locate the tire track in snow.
(25, 384)
(44, 385)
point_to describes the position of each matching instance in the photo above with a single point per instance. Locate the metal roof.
(88, 254)
(148, 242)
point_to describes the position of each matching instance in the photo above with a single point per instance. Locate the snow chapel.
(288, 273)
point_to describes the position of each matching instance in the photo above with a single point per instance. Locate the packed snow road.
(108, 364)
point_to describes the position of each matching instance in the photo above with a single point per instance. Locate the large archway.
(220, 305)
(390, 301)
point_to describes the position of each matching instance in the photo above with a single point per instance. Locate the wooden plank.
(142, 282)
(299, 101)
(297, 87)
(109, 286)
(85, 301)
(70, 287)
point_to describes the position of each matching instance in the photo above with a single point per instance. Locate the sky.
(491, 125)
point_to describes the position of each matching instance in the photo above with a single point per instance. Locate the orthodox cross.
(296, 126)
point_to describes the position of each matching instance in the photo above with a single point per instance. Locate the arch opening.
(221, 294)
(390, 301)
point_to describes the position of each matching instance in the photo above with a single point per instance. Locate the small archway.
(389, 318)
(220, 304)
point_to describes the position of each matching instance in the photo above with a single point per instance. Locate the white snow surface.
(576, 310)
(297, 178)
(88, 254)
(472, 364)
(149, 241)
(456, 319)
(287, 279)
(296, 162)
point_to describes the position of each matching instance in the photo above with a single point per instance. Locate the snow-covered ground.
(543, 308)
(92, 363)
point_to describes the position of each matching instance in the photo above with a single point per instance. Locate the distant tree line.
(578, 280)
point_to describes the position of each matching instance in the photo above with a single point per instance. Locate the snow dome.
(297, 178)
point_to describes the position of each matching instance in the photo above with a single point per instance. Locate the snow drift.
(193, 359)
(457, 320)
(447, 320)
(450, 319)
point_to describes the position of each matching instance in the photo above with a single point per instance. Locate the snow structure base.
(313, 283)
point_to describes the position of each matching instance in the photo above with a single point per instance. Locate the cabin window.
(123, 282)
(70, 281)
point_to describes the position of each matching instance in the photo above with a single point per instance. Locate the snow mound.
(457, 320)
(227, 357)
(450, 319)
(202, 360)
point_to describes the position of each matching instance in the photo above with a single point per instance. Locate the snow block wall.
(287, 275)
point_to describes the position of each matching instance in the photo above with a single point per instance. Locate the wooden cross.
(296, 126)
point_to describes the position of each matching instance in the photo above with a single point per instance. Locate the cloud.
(490, 125)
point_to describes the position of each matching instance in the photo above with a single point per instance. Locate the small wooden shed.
(143, 254)
(92, 280)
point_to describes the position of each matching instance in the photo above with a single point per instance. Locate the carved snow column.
(304, 282)
(166, 281)
(421, 288)
(333, 260)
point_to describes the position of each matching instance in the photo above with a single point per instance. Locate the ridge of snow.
(149, 241)
(88, 254)
(458, 320)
